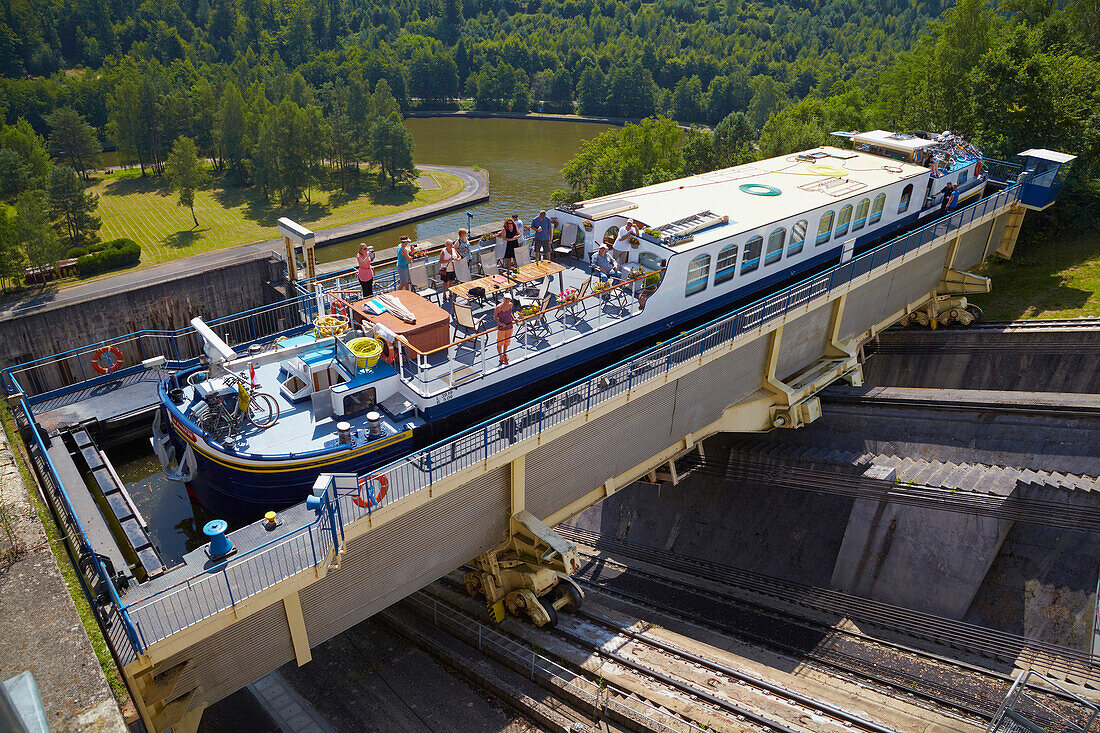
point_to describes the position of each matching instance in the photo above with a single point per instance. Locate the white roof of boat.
(893, 140)
(1051, 155)
(803, 185)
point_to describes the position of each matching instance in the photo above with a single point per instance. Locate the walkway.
(475, 189)
(39, 626)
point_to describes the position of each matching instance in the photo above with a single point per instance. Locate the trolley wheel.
(263, 410)
(473, 584)
(568, 597)
(975, 311)
(548, 605)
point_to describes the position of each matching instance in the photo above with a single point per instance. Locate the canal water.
(523, 157)
(524, 160)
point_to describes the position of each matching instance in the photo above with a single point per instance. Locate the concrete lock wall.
(166, 305)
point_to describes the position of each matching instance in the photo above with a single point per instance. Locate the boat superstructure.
(706, 243)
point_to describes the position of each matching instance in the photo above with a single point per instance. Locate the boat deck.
(104, 402)
(465, 360)
(297, 431)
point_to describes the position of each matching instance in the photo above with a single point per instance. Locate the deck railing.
(1023, 711)
(1001, 171)
(184, 601)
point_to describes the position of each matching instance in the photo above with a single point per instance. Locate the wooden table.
(432, 329)
(491, 283)
(537, 271)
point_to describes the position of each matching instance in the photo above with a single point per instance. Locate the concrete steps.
(968, 477)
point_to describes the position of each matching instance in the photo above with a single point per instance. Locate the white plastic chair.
(462, 270)
(418, 275)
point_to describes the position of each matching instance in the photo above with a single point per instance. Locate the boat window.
(751, 259)
(698, 271)
(775, 246)
(906, 197)
(360, 401)
(876, 210)
(726, 267)
(825, 228)
(861, 214)
(963, 176)
(798, 237)
(844, 220)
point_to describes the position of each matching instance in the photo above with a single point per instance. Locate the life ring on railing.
(365, 499)
(389, 351)
(113, 359)
(339, 307)
(978, 169)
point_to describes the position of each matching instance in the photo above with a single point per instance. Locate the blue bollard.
(220, 545)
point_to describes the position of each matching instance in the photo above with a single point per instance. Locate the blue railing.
(203, 595)
(1001, 170)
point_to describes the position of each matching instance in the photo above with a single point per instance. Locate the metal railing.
(71, 370)
(1001, 171)
(476, 445)
(541, 670)
(1020, 711)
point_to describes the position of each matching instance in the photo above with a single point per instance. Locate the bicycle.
(258, 408)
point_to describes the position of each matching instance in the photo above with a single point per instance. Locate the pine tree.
(11, 259)
(231, 129)
(185, 173)
(72, 140)
(392, 149)
(33, 229)
(72, 209)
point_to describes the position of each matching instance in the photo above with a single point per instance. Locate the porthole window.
(751, 259)
(798, 237)
(876, 210)
(775, 246)
(726, 267)
(906, 197)
(698, 272)
(861, 214)
(825, 228)
(843, 221)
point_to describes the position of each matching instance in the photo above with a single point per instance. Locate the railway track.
(987, 401)
(958, 694)
(712, 668)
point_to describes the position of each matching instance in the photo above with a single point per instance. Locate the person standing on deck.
(510, 234)
(622, 244)
(364, 258)
(463, 247)
(447, 257)
(544, 230)
(404, 256)
(505, 320)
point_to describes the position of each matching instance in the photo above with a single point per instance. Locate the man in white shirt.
(622, 244)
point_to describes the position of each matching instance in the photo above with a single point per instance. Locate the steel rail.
(913, 623)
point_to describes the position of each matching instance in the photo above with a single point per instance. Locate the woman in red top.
(505, 320)
(364, 257)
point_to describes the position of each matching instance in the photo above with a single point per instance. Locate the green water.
(523, 158)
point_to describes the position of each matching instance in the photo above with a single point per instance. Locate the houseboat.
(250, 432)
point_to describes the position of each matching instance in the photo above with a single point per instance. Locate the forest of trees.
(281, 94)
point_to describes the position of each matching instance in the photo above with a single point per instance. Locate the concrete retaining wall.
(167, 305)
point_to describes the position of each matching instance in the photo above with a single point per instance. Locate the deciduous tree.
(185, 173)
(72, 209)
(73, 140)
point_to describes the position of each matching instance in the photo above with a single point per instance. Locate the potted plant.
(634, 242)
(652, 280)
(528, 311)
(568, 296)
(587, 224)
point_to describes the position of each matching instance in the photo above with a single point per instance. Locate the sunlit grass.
(144, 210)
(1058, 277)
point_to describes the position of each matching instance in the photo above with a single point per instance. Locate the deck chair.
(418, 275)
(538, 326)
(462, 270)
(570, 308)
(464, 319)
(567, 243)
(544, 293)
(489, 264)
(523, 255)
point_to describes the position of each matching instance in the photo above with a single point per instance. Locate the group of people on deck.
(607, 264)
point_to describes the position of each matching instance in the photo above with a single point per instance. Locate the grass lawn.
(1056, 278)
(144, 210)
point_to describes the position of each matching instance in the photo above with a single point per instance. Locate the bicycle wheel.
(263, 410)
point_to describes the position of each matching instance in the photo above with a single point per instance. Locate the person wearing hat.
(404, 256)
(604, 266)
(543, 229)
(505, 321)
(622, 244)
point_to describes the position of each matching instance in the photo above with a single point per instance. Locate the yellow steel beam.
(292, 604)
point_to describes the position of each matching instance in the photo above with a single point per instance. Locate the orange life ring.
(114, 359)
(364, 488)
(977, 169)
(389, 351)
(340, 307)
